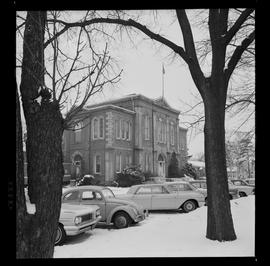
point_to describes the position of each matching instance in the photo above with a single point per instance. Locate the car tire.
(60, 235)
(189, 205)
(230, 197)
(121, 220)
(242, 194)
(205, 200)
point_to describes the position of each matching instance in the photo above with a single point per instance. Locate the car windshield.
(107, 193)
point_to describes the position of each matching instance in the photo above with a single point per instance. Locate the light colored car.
(113, 210)
(166, 196)
(75, 220)
(250, 181)
(202, 187)
(244, 188)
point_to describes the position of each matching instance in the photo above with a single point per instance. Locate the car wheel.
(205, 201)
(242, 194)
(60, 235)
(189, 206)
(121, 220)
(230, 197)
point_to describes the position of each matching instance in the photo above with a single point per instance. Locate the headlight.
(98, 213)
(78, 220)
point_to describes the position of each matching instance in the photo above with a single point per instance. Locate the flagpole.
(163, 81)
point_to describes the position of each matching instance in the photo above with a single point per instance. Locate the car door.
(162, 199)
(182, 192)
(143, 196)
(90, 197)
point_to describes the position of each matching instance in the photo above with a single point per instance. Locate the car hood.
(77, 209)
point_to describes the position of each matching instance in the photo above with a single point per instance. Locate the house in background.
(133, 130)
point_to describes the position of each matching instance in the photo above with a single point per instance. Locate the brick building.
(133, 130)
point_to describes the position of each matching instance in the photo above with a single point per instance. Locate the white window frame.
(96, 124)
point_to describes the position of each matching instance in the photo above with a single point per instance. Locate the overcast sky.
(142, 61)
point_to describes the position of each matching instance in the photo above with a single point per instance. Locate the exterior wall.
(138, 149)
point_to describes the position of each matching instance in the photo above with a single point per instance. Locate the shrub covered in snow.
(130, 176)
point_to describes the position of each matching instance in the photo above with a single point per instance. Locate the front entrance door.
(161, 166)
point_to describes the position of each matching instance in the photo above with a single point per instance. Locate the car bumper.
(73, 230)
(201, 203)
(141, 217)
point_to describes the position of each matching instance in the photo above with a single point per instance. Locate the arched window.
(78, 132)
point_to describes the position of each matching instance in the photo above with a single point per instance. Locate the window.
(118, 162)
(95, 128)
(172, 134)
(160, 130)
(97, 164)
(158, 190)
(147, 127)
(98, 128)
(144, 190)
(117, 128)
(71, 196)
(88, 195)
(78, 132)
(122, 129)
(101, 127)
(129, 128)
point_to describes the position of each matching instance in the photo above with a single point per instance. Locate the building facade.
(133, 130)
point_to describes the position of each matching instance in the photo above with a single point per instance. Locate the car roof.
(97, 188)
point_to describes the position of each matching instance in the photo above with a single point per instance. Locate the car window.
(173, 188)
(159, 190)
(98, 196)
(88, 195)
(237, 183)
(203, 185)
(107, 193)
(144, 190)
(187, 187)
(71, 196)
(197, 185)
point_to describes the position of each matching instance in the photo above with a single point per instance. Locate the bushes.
(173, 169)
(189, 170)
(130, 176)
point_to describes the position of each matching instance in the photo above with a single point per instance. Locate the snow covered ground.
(166, 234)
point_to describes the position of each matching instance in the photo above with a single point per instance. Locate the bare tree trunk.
(219, 221)
(36, 232)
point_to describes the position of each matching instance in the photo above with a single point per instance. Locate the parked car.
(202, 187)
(113, 210)
(165, 196)
(250, 181)
(75, 220)
(244, 188)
